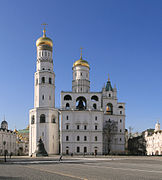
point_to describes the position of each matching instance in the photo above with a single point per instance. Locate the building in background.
(22, 142)
(7, 140)
(154, 141)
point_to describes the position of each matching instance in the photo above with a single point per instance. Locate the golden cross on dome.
(44, 30)
(81, 53)
(108, 77)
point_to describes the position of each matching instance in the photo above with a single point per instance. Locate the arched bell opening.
(81, 103)
(109, 108)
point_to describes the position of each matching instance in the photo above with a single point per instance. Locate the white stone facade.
(84, 115)
(7, 140)
(154, 141)
(44, 118)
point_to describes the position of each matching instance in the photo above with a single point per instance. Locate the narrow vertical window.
(78, 149)
(85, 149)
(95, 138)
(85, 138)
(50, 81)
(42, 97)
(78, 138)
(37, 81)
(67, 138)
(67, 117)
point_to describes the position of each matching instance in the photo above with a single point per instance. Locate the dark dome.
(4, 125)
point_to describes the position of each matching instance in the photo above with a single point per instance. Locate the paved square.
(100, 168)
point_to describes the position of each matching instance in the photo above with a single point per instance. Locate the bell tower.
(81, 81)
(43, 119)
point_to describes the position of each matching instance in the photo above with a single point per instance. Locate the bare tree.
(110, 128)
(130, 132)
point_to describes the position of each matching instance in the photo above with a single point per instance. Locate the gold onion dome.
(44, 40)
(81, 62)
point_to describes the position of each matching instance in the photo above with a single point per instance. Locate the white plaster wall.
(81, 118)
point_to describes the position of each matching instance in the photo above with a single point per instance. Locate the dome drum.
(44, 47)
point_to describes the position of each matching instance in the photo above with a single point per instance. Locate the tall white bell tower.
(44, 118)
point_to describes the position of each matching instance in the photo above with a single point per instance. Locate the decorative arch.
(42, 118)
(81, 103)
(67, 98)
(32, 119)
(94, 98)
(109, 108)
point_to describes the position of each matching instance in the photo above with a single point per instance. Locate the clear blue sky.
(119, 37)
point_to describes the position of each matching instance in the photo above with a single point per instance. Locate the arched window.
(42, 118)
(67, 105)
(78, 149)
(67, 149)
(109, 108)
(121, 107)
(33, 119)
(50, 81)
(94, 98)
(53, 119)
(81, 103)
(43, 79)
(94, 106)
(67, 98)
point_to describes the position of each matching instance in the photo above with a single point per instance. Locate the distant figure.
(60, 159)
(71, 154)
(10, 155)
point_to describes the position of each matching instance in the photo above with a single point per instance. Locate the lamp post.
(4, 143)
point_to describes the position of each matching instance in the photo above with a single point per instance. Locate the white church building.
(91, 122)
(154, 141)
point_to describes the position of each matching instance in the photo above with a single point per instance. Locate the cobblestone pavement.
(99, 168)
